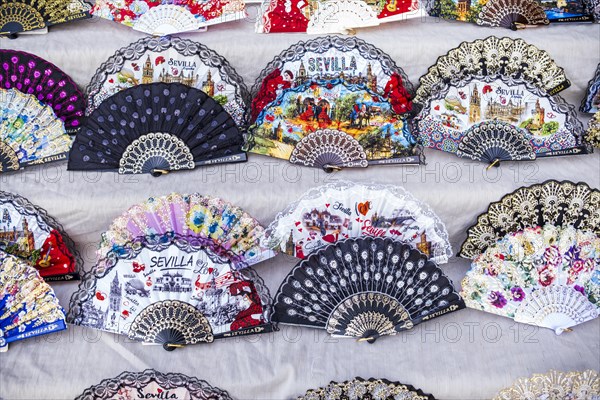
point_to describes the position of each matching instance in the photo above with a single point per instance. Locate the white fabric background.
(464, 355)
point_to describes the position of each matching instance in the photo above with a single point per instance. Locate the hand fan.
(545, 276)
(373, 389)
(568, 11)
(27, 15)
(344, 210)
(151, 384)
(35, 76)
(329, 16)
(195, 215)
(28, 232)
(174, 291)
(329, 58)
(591, 101)
(156, 128)
(167, 17)
(592, 135)
(498, 57)
(491, 119)
(30, 132)
(556, 203)
(513, 14)
(297, 127)
(170, 60)
(554, 385)
(365, 288)
(28, 306)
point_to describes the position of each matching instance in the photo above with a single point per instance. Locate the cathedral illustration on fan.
(174, 291)
(156, 128)
(365, 288)
(536, 256)
(494, 111)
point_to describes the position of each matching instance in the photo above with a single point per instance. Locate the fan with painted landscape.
(27, 15)
(490, 101)
(28, 306)
(170, 60)
(342, 210)
(359, 389)
(554, 384)
(157, 128)
(28, 232)
(365, 288)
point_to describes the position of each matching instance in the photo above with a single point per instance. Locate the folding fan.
(568, 11)
(194, 215)
(170, 60)
(591, 101)
(166, 17)
(28, 306)
(329, 16)
(554, 385)
(26, 15)
(373, 389)
(27, 231)
(172, 290)
(546, 276)
(151, 384)
(513, 14)
(35, 76)
(344, 210)
(555, 203)
(331, 57)
(333, 124)
(592, 135)
(156, 128)
(365, 288)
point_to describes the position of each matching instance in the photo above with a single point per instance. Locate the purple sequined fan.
(31, 74)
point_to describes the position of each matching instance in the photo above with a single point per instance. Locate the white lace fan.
(166, 19)
(341, 16)
(546, 276)
(345, 210)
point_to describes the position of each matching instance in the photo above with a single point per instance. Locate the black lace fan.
(156, 128)
(365, 288)
(513, 14)
(494, 141)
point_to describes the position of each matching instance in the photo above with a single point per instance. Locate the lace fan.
(151, 384)
(35, 76)
(563, 385)
(592, 134)
(174, 291)
(544, 276)
(28, 306)
(27, 15)
(192, 215)
(170, 60)
(556, 203)
(28, 232)
(344, 210)
(591, 101)
(365, 288)
(373, 389)
(513, 14)
(156, 128)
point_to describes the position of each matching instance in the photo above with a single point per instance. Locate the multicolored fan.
(165, 17)
(365, 288)
(27, 15)
(501, 112)
(591, 101)
(156, 128)
(359, 389)
(174, 291)
(512, 14)
(554, 385)
(170, 60)
(193, 215)
(592, 134)
(28, 232)
(343, 210)
(570, 11)
(330, 16)
(35, 76)
(151, 384)
(560, 204)
(28, 306)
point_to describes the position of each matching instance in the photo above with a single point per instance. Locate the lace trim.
(593, 89)
(568, 384)
(360, 388)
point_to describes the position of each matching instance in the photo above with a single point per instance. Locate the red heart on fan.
(298, 223)
(100, 296)
(111, 80)
(159, 390)
(329, 238)
(125, 313)
(210, 270)
(300, 229)
(364, 208)
(357, 219)
(327, 205)
(436, 108)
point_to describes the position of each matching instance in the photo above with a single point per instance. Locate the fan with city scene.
(342, 210)
(172, 290)
(28, 232)
(170, 60)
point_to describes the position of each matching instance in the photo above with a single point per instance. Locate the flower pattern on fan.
(360, 389)
(555, 384)
(26, 15)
